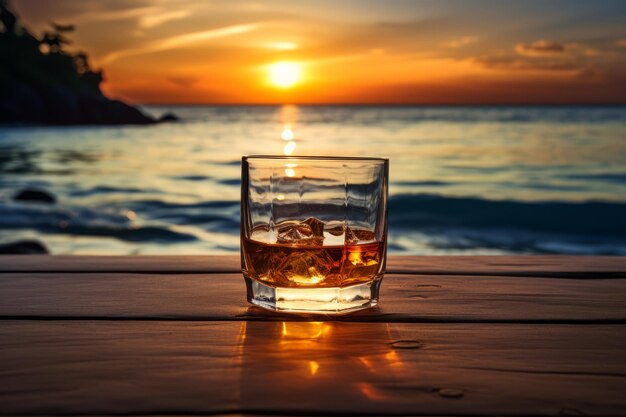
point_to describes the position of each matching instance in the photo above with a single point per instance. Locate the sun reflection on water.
(287, 133)
(289, 148)
(288, 117)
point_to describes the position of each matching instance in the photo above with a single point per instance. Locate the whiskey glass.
(313, 232)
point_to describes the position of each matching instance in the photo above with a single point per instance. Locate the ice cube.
(307, 232)
(317, 226)
(363, 269)
(293, 232)
(354, 236)
(350, 237)
(361, 263)
(334, 230)
(310, 267)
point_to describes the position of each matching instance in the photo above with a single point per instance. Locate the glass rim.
(315, 158)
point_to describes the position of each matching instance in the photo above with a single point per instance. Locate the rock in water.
(168, 117)
(38, 196)
(23, 247)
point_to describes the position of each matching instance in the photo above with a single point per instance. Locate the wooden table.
(175, 336)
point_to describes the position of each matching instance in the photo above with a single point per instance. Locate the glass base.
(333, 300)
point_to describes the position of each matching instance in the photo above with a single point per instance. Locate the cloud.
(591, 52)
(540, 48)
(156, 19)
(543, 49)
(183, 80)
(503, 91)
(512, 62)
(589, 72)
(281, 46)
(460, 42)
(181, 40)
(550, 49)
(43, 10)
(108, 15)
(621, 43)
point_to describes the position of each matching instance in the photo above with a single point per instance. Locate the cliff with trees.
(42, 83)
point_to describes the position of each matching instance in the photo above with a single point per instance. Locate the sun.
(285, 74)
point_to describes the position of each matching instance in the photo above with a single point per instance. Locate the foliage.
(42, 62)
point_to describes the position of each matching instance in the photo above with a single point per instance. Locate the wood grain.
(404, 298)
(532, 335)
(154, 264)
(539, 265)
(70, 367)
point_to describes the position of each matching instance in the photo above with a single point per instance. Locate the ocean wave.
(437, 224)
(544, 186)
(193, 177)
(424, 183)
(82, 221)
(432, 222)
(230, 181)
(602, 177)
(427, 211)
(149, 205)
(108, 190)
(465, 241)
(418, 223)
(221, 216)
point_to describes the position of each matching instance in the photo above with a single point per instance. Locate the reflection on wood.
(75, 367)
(179, 342)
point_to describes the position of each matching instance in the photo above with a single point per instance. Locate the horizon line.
(348, 104)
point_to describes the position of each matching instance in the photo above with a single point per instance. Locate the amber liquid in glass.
(315, 265)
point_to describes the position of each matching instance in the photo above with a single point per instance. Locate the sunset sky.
(349, 51)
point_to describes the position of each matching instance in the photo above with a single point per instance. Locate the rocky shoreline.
(43, 83)
(59, 105)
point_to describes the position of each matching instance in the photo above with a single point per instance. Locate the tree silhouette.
(55, 40)
(7, 18)
(42, 61)
(41, 81)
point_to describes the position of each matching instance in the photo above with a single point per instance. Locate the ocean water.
(463, 180)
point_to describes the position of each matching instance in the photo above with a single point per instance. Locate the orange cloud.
(460, 42)
(155, 19)
(540, 48)
(511, 62)
(183, 80)
(281, 46)
(181, 40)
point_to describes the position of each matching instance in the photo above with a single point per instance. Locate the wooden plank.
(404, 298)
(154, 264)
(524, 266)
(70, 368)
(551, 266)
